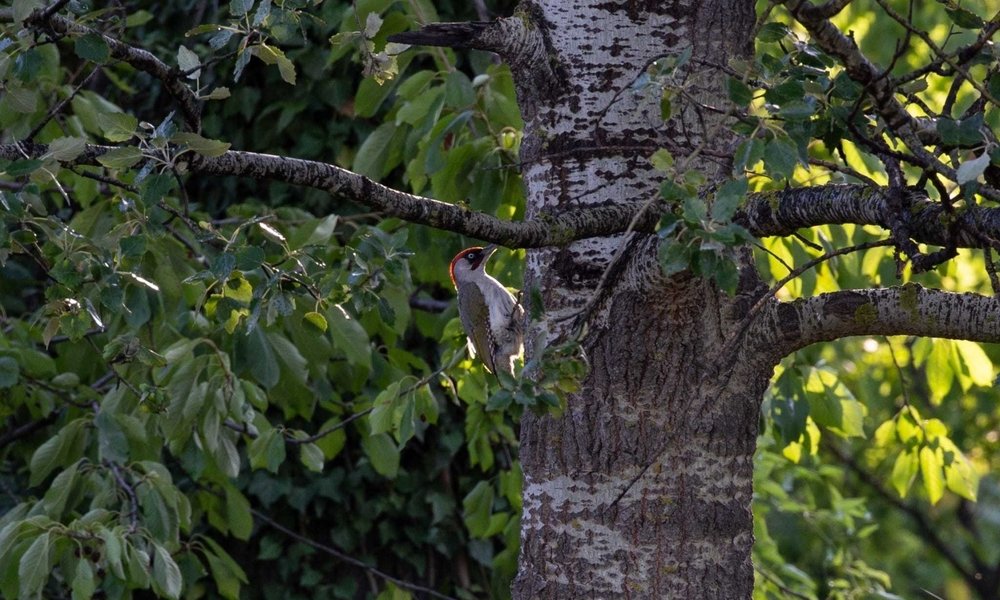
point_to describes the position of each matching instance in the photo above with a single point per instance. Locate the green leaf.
(83, 584)
(662, 160)
(780, 158)
(961, 478)
(695, 210)
(92, 47)
(22, 100)
(111, 442)
(238, 8)
(940, 375)
(34, 566)
(728, 199)
(188, 62)
(272, 55)
(739, 93)
(772, 32)
(786, 92)
(59, 491)
(114, 543)
(267, 451)
(371, 159)
(349, 337)
(249, 258)
(961, 132)
(117, 127)
(120, 158)
(227, 574)
(666, 106)
(931, 469)
(238, 514)
(885, 434)
(23, 167)
(332, 443)
(833, 406)
(9, 372)
(976, 361)
(380, 419)
(219, 93)
(138, 566)
(477, 506)
(963, 17)
(201, 145)
(66, 149)
(166, 575)
(311, 457)
(674, 256)
(458, 92)
(904, 471)
(383, 454)
(316, 320)
(58, 450)
(155, 187)
(238, 288)
(24, 8)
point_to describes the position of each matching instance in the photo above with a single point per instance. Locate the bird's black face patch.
(474, 256)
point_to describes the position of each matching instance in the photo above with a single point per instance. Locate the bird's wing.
(476, 321)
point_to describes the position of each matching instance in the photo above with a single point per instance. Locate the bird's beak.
(488, 251)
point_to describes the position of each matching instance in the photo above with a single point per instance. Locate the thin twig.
(133, 514)
(347, 558)
(923, 524)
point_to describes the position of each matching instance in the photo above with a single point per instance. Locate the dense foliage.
(239, 388)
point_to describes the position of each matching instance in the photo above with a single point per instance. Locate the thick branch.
(780, 213)
(766, 214)
(139, 58)
(859, 68)
(903, 310)
(547, 231)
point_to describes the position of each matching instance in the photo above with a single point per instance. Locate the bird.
(491, 316)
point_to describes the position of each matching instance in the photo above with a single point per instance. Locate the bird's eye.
(471, 256)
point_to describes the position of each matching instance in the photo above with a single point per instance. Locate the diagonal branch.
(858, 67)
(546, 231)
(346, 558)
(143, 60)
(909, 309)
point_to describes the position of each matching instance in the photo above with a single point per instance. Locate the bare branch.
(129, 491)
(766, 214)
(548, 231)
(780, 213)
(909, 309)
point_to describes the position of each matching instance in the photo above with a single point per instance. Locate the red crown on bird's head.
(461, 255)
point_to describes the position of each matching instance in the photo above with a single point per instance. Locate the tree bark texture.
(642, 488)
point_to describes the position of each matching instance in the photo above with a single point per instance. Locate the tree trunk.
(642, 488)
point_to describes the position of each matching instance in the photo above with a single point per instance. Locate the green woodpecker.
(492, 318)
